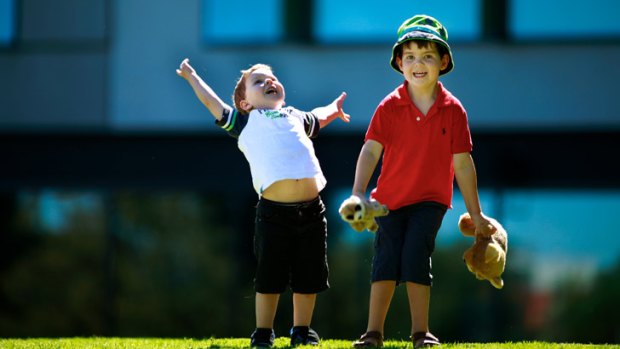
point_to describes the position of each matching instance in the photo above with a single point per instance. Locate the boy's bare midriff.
(292, 190)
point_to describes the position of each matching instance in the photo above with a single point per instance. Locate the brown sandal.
(424, 340)
(371, 339)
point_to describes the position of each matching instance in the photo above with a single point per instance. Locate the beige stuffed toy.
(361, 214)
(487, 257)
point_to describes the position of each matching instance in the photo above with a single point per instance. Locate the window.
(561, 19)
(578, 223)
(370, 21)
(7, 22)
(239, 21)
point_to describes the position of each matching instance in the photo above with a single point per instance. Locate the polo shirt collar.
(443, 96)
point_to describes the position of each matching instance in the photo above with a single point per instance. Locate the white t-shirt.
(276, 144)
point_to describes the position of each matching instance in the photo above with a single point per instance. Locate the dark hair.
(398, 51)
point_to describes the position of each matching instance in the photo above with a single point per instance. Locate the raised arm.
(204, 93)
(332, 111)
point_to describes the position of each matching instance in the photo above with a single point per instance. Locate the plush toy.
(361, 214)
(487, 257)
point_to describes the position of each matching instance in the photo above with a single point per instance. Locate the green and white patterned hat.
(422, 27)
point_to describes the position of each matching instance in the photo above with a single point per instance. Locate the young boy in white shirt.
(290, 232)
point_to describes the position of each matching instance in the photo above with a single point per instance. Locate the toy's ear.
(466, 225)
(492, 254)
(497, 282)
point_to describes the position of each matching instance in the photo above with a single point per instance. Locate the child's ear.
(445, 60)
(245, 105)
(399, 62)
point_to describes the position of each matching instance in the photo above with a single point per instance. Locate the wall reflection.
(179, 263)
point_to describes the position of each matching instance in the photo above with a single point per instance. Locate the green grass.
(282, 342)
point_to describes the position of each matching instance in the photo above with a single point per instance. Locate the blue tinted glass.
(535, 19)
(371, 21)
(577, 225)
(550, 226)
(241, 21)
(7, 21)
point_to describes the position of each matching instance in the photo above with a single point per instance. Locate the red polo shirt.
(417, 149)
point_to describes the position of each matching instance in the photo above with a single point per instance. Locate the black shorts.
(290, 245)
(405, 241)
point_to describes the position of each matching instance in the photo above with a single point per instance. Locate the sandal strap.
(424, 339)
(369, 339)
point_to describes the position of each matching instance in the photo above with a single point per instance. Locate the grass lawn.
(282, 342)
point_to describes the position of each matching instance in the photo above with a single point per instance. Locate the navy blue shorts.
(405, 241)
(290, 245)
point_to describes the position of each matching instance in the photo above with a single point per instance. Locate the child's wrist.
(475, 215)
(360, 194)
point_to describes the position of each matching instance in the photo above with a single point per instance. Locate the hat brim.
(418, 35)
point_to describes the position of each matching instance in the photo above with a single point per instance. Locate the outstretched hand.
(338, 102)
(185, 69)
(333, 110)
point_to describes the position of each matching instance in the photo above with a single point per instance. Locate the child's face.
(421, 65)
(263, 91)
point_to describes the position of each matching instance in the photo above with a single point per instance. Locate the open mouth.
(419, 75)
(271, 91)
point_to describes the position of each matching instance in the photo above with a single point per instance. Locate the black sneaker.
(303, 335)
(262, 338)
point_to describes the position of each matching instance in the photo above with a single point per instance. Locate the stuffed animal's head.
(486, 258)
(361, 214)
(352, 209)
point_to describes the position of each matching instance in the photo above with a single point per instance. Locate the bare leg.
(419, 300)
(266, 306)
(381, 293)
(303, 307)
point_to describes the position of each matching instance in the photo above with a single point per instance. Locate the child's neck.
(423, 98)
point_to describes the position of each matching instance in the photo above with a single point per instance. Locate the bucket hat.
(422, 27)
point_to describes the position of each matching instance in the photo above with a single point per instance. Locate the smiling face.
(421, 63)
(259, 88)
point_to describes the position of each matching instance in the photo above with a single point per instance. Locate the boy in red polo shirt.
(422, 131)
